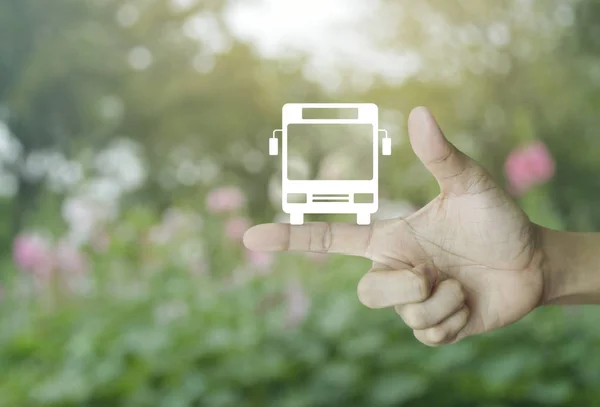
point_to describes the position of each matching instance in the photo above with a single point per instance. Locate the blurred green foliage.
(168, 338)
(141, 328)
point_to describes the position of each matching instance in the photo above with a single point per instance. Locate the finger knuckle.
(414, 316)
(422, 337)
(437, 335)
(365, 292)
(460, 295)
(320, 237)
(422, 287)
(443, 158)
(327, 237)
(464, 315)
(456, 288)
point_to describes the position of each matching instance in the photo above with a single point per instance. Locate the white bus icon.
(340, 124)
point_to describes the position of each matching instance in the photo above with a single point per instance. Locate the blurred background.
(134, 155)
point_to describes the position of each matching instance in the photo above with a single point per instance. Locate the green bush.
(135, 337)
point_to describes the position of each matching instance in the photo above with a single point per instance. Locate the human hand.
(468, 262)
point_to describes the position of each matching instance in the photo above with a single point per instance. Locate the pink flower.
(225, 199)
(70, 260)
(529, 166)
(236, 227)
(261, 261)
(33, 253)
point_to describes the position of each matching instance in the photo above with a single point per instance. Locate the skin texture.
(468, 262)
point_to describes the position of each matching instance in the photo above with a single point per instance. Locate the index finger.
(317, 237)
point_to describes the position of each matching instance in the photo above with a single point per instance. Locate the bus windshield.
(345, 151)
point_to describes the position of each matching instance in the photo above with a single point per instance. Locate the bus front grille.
(331, 198)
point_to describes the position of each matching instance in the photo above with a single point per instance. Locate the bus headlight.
(363, 198)
(296, 198)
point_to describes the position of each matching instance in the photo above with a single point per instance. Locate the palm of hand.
(484, 241)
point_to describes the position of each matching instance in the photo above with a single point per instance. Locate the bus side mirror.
(274, 144)
(386, 144)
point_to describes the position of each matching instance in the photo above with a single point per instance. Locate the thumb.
(455, 172)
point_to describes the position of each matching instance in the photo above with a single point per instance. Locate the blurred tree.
(498, 76)
(75, 75)
(576, 188)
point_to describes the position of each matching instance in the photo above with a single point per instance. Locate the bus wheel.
(363, 218)
(297, 218)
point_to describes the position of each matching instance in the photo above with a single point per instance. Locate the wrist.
(553, 272)
(570, 267)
